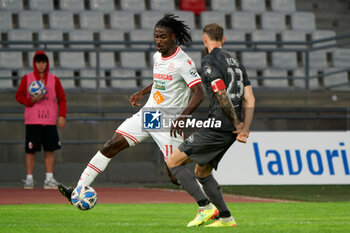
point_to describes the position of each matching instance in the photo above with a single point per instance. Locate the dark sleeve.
(21, 94)
(209, 72)
(246, 81)
(61, 98)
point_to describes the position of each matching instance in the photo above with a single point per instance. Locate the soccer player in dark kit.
(230, 92)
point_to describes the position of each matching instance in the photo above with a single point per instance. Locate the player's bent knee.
(114, 145)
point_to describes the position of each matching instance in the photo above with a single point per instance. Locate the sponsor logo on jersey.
(152, 119)
(159, 85)
(163, 76)
(158, 97)
(193, 72)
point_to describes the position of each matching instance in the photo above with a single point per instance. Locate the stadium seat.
(62, 20)
(323, 34)
(112, 36)
(146, 77)
(41, 5)
(300, 83)
(188, 17)
(81, 35)
(197, 36)
(92, 20)
(49, 55)
(149, 18)
(102, 5)
(304, 21)
(72, 5)
(133, 5)
(226, 6)
(51, 35)
(254, 60)
(252, 77)
(122, 20)
(106, 60)
(284, 60)
(11, 5)
(196, 57)
(6, 20)
(341, 57)
(273, 21)
(11, 60)
(256, 6)
(207, 17)
(283, 5)
(275, 78)
(72, 60)
(133, 60)
(5, 79)
(243, 21)
(317, 59)
(88, 79)
(236, 36)
(293, 36)
(264, 36)
(32, 20)
(141, 35)
(162, 5)
(196, 6)
(335, 79)
(66, 77)
(129, 79)
(20, 35)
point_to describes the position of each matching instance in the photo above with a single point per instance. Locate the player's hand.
(38, 98)
(136, 97)
(177, 126)
(242, 135)
(61, 122)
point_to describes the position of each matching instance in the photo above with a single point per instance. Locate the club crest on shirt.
(171, 67)
(207, 70)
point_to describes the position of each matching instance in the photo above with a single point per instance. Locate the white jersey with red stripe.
(173, 77)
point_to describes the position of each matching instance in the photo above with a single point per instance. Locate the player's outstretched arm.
(195, 101)
(137, 96)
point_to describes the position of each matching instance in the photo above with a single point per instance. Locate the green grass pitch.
(143, 218)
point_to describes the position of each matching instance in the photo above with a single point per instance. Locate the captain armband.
(217, 85)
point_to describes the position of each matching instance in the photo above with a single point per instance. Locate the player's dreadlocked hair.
(178, 27)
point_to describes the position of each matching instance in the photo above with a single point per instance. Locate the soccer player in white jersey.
(174, 76)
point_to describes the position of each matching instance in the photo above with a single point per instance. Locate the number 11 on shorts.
(167, 151)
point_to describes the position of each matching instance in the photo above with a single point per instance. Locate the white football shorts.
(133, 132)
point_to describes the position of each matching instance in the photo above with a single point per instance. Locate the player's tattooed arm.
(228, 107)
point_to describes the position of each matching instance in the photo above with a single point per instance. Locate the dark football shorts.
(45, 135)
(206, 146)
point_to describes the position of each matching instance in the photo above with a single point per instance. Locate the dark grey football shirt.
(220, 64)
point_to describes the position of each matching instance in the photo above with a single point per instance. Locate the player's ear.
(223, 40)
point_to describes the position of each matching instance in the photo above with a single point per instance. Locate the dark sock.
(188, 181)
(203, 202)
(213, 191)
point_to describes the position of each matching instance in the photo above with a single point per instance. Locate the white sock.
(29, 176)
(96, 166)
(228, 219)
(49, 176)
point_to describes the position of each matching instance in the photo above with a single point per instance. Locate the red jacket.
(21, 94)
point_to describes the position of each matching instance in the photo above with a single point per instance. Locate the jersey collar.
(171, 56)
